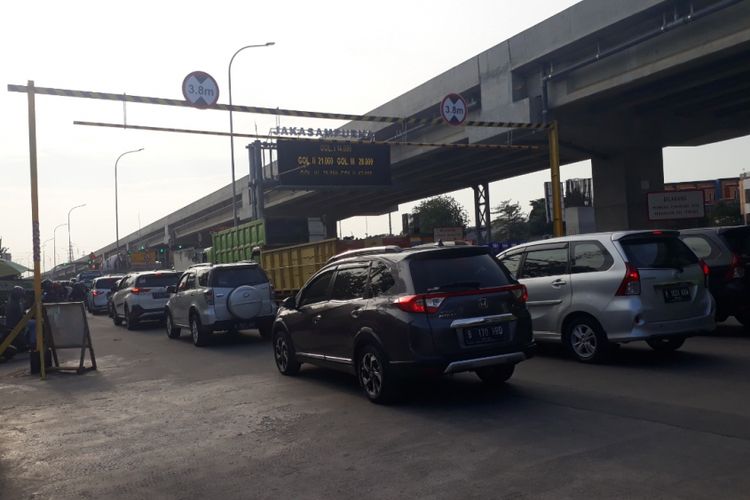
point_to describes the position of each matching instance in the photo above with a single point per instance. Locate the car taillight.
(94, 293)
(706, 272)
(736, 269)
(137, 290)
(631, 283)
(209, 294)
(430, 302)
(520, 293)
(419, 303)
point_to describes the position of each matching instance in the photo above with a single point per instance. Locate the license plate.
(483, 334)
(676, 294)
(160, 295)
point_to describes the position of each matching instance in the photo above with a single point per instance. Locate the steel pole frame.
(235, 220)
(554, 165)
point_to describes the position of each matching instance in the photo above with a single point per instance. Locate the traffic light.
(161, 250)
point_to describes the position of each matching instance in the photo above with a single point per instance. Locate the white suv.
(220, 297)
(141, 296)
(593, 291)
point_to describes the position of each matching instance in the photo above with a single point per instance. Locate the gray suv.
(219, 297)
(592, 291)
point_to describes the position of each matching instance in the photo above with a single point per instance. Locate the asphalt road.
(163, 419)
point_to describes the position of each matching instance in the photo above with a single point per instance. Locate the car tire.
(197, 332)
(495, 375)
(173, 332)
(665, 345)
(130, 322)
(283, 354)
(116, 319)
(375, 376)
(585, 339)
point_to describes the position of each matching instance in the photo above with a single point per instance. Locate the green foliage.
(538, 225)
(440, 211)
(725, 213)
(509, 222)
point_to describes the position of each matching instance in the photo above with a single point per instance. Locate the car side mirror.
(289, 303)
(171, 289)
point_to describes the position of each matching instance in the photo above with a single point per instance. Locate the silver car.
(96, 297)
(591, 291)
(225, 297)
(141, 297)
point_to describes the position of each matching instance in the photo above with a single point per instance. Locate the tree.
(510, 222)
(538, 225)
(440, 211)
(726, 213)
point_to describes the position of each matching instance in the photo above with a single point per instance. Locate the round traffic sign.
(453, 109)
(200, 89)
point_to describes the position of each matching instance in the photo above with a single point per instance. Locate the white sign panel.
(449, 234)
(668, 205)
(200, 89)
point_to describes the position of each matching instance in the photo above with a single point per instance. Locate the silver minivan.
(592, 291)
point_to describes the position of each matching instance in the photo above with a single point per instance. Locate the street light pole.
(231, 126)
(54, 249)
(117, 214)
(44, 254)
(70, 245)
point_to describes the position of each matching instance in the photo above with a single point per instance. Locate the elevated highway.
(623, 80)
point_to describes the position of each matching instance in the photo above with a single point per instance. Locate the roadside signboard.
(453, 109)
(200, 89)
(669, 205)
(330, 163)
(448, 233)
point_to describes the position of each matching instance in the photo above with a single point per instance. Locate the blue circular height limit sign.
(200, 89)
(453, 109)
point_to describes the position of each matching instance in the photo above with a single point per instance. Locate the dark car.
(383, 317)
(726, 250)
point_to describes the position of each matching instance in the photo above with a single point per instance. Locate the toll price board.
(330, 163)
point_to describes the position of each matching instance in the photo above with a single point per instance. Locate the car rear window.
(157, 280)
(739, 241)
(657, 252)
(446, 273)
(106, 282)
(238, 276)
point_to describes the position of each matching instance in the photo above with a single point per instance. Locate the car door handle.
(558, 283)
(317, 318)
(355, 313)
(219, 295)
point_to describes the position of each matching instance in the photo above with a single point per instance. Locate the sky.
(331, 56)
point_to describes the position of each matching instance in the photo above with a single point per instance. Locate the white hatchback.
(142, 296)
(592, 291)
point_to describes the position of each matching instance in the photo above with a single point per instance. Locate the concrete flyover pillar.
(621, 183)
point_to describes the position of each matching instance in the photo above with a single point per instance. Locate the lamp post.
(44, 254)
(231, 126)
(54, 249)
(70, 246)
(117, 214)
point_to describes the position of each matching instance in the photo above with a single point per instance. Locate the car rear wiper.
(459, 284)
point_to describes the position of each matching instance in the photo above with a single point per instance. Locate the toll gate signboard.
(671, 205)
(331, 163)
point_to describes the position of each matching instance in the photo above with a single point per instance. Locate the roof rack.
(358, 252)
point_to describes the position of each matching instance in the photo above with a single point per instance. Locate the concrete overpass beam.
(621, 183)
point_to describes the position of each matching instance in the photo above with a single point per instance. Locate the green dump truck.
(283, 249)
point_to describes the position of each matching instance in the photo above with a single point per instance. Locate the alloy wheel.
(583, 341)
(371, 374)
(194, 330)
(281, 353)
